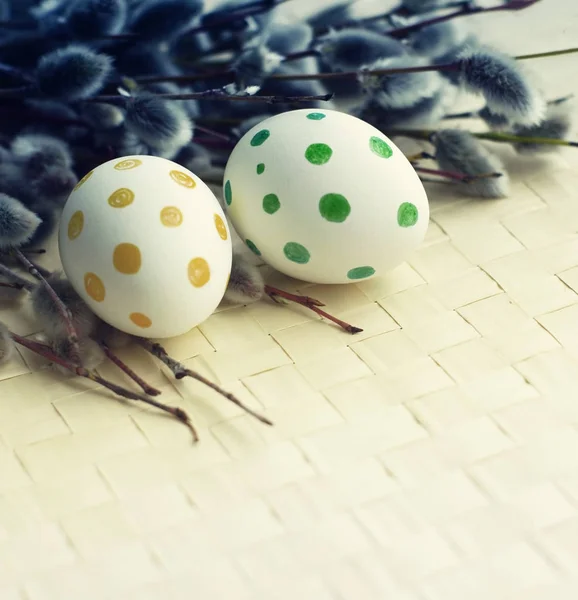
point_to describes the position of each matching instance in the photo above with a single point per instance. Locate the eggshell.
(324, 197)
(146, 244)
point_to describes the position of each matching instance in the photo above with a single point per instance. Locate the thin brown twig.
(12, 286)
(454, 66)
(43, 271)
(456, 176)
(218, 96)
(72, 335)
(493, 136)
(476, 113)
(420, 156)
(16, 278)
(180, 371)
(48, 354)
(216, 134)
(434, 180)
(146, 388)
(465, 11)
(311, 304)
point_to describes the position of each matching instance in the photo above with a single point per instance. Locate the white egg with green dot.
(324, 197)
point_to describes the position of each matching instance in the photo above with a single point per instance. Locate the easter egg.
(146, 244)
(324, 197)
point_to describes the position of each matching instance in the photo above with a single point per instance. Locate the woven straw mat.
(432, 457)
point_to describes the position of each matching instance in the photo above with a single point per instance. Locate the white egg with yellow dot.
(324, 197)
(146, 244)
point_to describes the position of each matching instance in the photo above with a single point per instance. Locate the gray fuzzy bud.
(460, 152)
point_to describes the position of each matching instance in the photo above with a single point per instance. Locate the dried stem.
(455, 66)
(312, 76)
(16, 279)
(72, 335)
(220, 96)
(507, 137)
(433, 180)
(147, 389)
(476, 114)
(303, 54)
(12, 286)
(44, 272)
(214, 143)
(494, 136)
(48, 354)
(465, 11)
(310, 303)
(249, 10)
(215, 134)
(420, 156)
(180, 371)
(456, 176)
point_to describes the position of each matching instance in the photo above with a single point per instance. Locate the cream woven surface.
(432, 457)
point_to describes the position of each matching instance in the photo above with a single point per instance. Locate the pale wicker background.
(432, 457)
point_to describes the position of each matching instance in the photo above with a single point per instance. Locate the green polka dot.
(318, 154)
(334, 208)
(252, 247)
(360, 273)
(260, 168)
(379, 147)
(260, 137)
(228, 193)
(316, 116)
(296, 253)
(271, 204)
(407, 214)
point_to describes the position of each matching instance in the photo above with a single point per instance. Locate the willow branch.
(180, 371)
(456, 176)
(310, 303)
(48, 354)
(215, 134)
(71, 333)
(454, 66)
(218, 96)
(476, 113)
(15, 278)
(12, 286)
(466, 11)
(146, 388)
(494, 136)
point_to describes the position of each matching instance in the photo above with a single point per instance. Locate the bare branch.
(180, 371)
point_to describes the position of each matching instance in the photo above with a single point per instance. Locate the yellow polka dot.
(83, 180)
(199, 272)
(121, 198)
(221, 228)
(75, 225)
(183, 179)
(140, 320)
(94, 287)
(127, 259)
(171, 216)
(130, 163)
